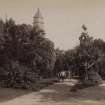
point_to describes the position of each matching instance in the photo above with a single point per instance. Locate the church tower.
(38, 21)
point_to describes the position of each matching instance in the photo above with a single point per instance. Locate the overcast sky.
(63, 18)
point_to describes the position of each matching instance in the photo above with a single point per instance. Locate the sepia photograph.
(52, 52)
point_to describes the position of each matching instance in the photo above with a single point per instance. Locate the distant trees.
(71, 60)
(60, 61)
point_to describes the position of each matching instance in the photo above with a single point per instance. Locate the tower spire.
(38, 20)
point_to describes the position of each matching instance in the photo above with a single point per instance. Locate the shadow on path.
(9, 94)
(61, 92)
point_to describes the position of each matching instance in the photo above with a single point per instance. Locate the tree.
(24, 50)
(60, 61)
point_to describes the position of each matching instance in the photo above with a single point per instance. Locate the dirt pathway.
(56, 94)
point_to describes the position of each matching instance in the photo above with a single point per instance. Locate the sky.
(63, 18)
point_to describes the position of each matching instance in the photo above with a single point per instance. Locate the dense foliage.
(25, 54)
